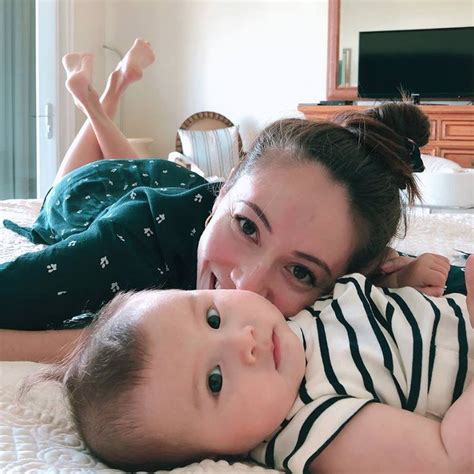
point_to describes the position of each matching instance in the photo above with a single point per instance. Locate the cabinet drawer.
(428, 150)
(465, 158)
(322, 117)
(433, 129)
(457, 130)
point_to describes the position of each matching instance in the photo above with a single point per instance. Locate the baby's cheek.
(275, 402)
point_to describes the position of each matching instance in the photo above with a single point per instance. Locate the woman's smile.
(256, 242)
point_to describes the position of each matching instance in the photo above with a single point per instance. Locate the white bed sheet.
(37, 433)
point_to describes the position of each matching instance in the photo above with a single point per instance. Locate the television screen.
(435, 63)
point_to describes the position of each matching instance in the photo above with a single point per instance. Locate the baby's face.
(225, 368)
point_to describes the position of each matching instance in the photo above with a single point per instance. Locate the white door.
(54, 122)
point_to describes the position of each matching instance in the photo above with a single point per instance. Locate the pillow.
(436, 164)
(216, 152)
(449, 189)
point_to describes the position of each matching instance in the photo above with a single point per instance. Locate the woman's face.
(283, 232)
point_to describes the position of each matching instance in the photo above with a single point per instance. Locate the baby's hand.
(427, 273)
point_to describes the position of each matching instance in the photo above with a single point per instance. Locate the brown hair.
(367, 153)
(99, 378)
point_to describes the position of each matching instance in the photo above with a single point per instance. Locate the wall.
(252, 61)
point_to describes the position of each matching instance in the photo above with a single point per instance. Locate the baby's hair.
(99, 378)
(369, 153)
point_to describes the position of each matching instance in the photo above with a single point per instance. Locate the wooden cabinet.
(452, 128)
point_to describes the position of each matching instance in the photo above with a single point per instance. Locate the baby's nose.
(246, 345)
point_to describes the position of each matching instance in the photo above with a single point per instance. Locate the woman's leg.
(85, 147)
(111, 141)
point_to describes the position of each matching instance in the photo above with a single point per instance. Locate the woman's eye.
(214, 380)
(303, 275)
(247, 226)
(213, 318)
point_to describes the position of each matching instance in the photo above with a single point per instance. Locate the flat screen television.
(434, 63)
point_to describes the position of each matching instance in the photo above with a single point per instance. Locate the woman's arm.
(37, 346)
(381, 438)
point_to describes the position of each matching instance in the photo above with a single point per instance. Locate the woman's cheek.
(216, 240)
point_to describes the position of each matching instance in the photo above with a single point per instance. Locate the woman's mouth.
(276, 350)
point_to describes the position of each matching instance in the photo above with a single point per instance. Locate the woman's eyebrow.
(316, 260)
(260, 214)
(311, 258)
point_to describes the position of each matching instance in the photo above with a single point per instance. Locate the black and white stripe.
(365, 345)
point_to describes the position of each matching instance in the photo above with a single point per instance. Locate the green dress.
(110, 226)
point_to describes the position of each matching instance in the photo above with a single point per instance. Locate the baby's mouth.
(276, 350)
(214, 283)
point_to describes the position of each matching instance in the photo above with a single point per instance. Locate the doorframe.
(54, 37)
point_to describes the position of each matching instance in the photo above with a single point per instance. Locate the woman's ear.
(232, 171)
(216, 204)
(224, 189)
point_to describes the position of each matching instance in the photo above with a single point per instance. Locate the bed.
(37, 433)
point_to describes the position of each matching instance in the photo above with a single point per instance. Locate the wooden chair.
(205, 121)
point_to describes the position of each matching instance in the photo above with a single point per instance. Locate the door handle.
(48, 115)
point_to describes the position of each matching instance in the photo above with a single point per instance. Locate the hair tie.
(416, 162)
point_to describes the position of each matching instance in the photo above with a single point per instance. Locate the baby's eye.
(303, 274)
(213, 318)
(247, 226)
(214, 380)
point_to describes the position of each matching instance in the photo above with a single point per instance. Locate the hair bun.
(393, 134)
(408, 120)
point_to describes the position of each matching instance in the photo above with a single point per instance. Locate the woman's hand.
(427, 273)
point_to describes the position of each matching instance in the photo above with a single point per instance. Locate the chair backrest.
(205, 121)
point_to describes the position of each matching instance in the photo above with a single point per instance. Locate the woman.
(308, 204)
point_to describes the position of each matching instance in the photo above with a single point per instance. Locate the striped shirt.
(366, 344)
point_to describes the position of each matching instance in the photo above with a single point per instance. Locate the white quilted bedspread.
(37, 433)
(21, 211)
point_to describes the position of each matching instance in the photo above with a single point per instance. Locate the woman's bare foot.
(78, 68)
(469, 271)
(130, 68)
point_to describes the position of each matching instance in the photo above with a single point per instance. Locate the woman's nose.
(251, 278)
(245, 344)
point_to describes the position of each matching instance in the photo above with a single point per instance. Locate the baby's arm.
(427, 273)
(37, 346)
(457, 429)
(381, 438)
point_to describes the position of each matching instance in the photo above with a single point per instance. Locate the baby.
(374, 378)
